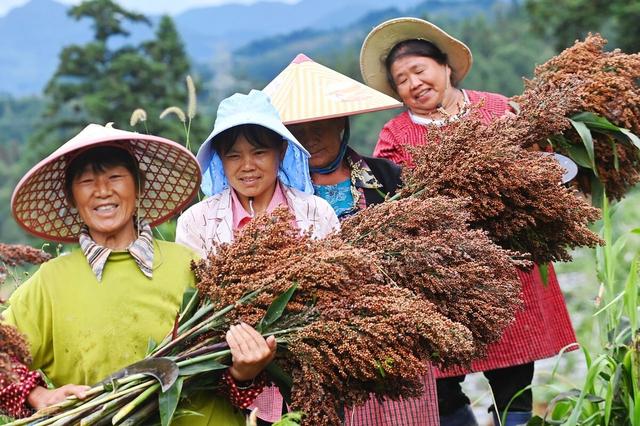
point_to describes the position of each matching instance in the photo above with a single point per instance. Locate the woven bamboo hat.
(385, 36)
(171, 180)
(307, 91)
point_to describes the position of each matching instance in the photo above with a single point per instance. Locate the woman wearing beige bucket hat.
(315, 102)
(92, 312)
(421, 65)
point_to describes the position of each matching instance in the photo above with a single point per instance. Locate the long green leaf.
(293, 418)
(595, 121)
(579, 155)
(631, 296)
(190, 300)
(544, 273)
(613, 301)
(151, 345)
(587, 140)
(168, 402)
(635, 140)
(127, 409)
(619, 245)
(202, 367)
(612, 388)
(597, 192)
(586, 395)
(276, 309)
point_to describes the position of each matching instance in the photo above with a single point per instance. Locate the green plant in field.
(610, 393)
(139, 115)
(588, 127)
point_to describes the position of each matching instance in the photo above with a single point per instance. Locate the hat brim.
(171, 175)
(308, 91)
(206, 149)
(385, 36)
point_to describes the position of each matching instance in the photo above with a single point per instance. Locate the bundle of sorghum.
(13, 347)
(514, 195)
(16, 254)
(426, 245)
(353, 335)
(344, 334)
(608, 86)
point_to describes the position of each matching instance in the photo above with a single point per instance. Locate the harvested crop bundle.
(13, 347)
(343, 332)
(514, 195)
(426, 245)
(17, 254)
(356, 335)
(605, 110)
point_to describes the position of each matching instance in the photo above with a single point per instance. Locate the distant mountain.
(263, 59)
(31, 36)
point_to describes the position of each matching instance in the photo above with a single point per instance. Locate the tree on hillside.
(565, 21)
(501, 58)
(107, 16)
(105, 80)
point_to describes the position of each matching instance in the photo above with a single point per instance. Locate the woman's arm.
(14, 395)
(41, 397)
(250, 353)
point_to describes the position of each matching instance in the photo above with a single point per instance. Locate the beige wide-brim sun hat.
(308, 91)
(171, 179)
(384, 37)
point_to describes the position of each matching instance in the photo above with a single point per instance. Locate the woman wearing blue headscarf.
(251, 164)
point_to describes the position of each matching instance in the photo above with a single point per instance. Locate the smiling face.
(421, 82)
(252, 171)
(106, 202)
(321, 138)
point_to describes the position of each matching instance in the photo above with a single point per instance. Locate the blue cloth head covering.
(254, 108)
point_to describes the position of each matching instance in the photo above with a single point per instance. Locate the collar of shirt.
(241, 217)
(141, 250)
(440, 122)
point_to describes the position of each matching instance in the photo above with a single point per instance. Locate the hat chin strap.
(333, 166)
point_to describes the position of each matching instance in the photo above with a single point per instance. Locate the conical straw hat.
(307, 91)
(170, 171)
(384, 37)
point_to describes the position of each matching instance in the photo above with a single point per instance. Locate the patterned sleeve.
(242, 397)
(13, 395)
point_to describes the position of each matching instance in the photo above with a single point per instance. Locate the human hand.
(41, 397)
(250, 352)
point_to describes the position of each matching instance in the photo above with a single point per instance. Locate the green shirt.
(81, 330)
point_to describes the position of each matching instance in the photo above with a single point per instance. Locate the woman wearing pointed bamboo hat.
(421, 65)
(91, 312)
(315, 102)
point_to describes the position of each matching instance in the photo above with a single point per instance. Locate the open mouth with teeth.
(106, 208)
(249, 180)
(423, 94)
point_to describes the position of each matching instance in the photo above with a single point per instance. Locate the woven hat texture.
(170, 171)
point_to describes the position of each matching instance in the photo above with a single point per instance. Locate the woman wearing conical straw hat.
(418, 63)
(315, 103)
(92, 312)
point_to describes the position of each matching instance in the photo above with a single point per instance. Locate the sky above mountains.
(148, 6)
